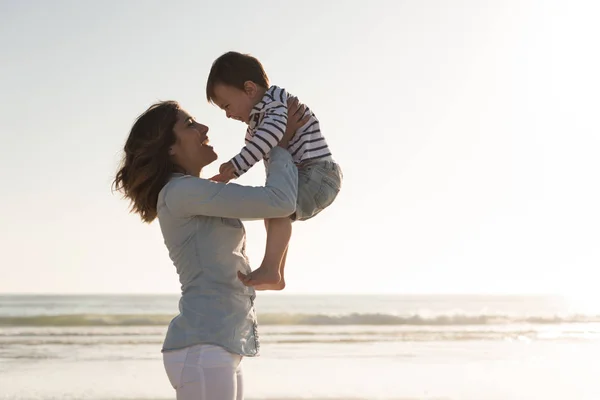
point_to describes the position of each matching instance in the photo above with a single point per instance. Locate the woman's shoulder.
(184, 185)
(174, 187)
(182, 190)
(175, 181)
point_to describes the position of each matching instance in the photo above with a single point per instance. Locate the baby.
(238, 84)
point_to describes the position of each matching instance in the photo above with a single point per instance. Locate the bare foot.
(261, 276)
(274, 286)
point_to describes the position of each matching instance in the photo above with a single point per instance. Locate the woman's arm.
(188, 196)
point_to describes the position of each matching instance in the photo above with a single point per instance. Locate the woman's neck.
(187, 170)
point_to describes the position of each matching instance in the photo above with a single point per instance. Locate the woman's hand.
(296, 119)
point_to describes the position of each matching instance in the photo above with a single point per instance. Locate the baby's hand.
(227, 169)
(226, 173)
(220, 178)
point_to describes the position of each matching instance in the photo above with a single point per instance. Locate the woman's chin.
(208, 157)
(212, 156)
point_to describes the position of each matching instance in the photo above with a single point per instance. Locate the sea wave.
(300, 319)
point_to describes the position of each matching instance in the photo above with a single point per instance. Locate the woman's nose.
(202, 130)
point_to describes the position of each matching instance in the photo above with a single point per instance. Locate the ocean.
(368, 347)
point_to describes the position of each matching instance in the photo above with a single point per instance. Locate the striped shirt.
(268, 120)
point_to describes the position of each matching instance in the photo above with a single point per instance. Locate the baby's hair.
(234, 69)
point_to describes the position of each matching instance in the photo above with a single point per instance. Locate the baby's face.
(236, 103)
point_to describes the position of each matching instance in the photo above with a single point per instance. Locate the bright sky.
(467, 131)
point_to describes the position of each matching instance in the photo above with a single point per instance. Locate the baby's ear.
(250, 88)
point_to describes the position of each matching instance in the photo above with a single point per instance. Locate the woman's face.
(191, 150)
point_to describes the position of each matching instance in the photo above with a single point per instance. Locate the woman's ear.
(250, 88)
(171, 151)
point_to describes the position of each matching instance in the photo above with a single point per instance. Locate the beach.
(312, 347)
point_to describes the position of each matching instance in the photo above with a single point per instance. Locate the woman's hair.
(146, 165)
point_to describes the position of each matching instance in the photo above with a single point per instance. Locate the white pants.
(205, 372)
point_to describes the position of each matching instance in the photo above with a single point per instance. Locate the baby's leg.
(279, 285)
(279, 231)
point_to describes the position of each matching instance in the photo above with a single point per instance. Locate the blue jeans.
(319, 183)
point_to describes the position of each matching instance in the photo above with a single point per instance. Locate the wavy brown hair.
(147, 165)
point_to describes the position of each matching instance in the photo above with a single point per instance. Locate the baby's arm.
(267, 136)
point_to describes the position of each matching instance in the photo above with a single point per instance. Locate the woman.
(200, 222)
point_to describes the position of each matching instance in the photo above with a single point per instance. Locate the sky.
(467, 132)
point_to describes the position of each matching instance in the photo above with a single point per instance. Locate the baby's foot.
(274, 286)
(261, 276)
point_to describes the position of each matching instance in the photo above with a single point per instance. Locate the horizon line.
(276, 293)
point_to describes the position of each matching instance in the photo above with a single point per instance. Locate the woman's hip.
(183, 365)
